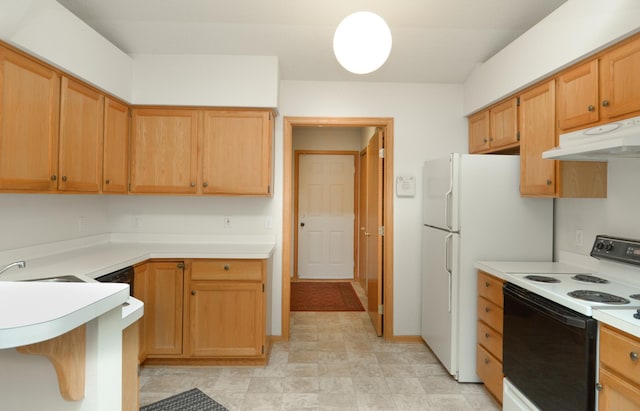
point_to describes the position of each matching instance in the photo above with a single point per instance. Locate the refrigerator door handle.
(447, 267)
(447, 198)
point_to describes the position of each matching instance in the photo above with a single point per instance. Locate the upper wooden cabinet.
(81, 130)
(236, 147)
(29, 107)
(494, 129)
(115, 169)
(164, 151)
(620, 80)
(602, 89)
(578, 96)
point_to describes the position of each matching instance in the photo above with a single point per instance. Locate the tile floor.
(333, 361)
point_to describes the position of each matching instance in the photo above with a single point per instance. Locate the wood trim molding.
(287, 208)
(67, 353)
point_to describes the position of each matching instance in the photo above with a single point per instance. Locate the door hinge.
(381, 230)
(129, 186)
(518, 136)
(381, 153)
(381, 309)
(263, 349)
(269, 189)
(518, 102)
(262, 287)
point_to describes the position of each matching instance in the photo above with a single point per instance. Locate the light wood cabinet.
(237, 152)
(163, 308)
(140, 280)
(29, 118)
(551, 178)
(495, 129)
(227, 308)
(620, 80)
(578, 96)
(619, 375)
(115, 170)
(164, 151)
(81, 131)
(489, 332)
(130, 366)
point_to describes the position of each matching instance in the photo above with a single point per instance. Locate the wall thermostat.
(405, 186)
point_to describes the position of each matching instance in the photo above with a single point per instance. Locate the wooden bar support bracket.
(67, 353)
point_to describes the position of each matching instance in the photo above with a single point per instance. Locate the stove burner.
(587, 278)
(542, 278)
(597, 297)
(635, 296)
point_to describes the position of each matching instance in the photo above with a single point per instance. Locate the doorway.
(384, 312)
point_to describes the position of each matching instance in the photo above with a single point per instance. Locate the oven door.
(549, 352)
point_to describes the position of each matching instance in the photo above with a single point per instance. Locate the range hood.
(620, 139)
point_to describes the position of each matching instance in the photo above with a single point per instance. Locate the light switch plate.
(405, 186)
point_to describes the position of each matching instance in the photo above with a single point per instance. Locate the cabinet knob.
(227, 267)
(591, 108)
(486, 360)
(107, 181)
(205, 184)
(633, 355)
(548, 182)
(487, 284)
(599, 387)
(193, 184)
(605, 103)
(487, 309)
(54, 177)
(64, 178)
(485, 140)
(193, 292)
(486, 335)
(180, 265)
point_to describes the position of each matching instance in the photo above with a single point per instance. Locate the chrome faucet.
(19, 264)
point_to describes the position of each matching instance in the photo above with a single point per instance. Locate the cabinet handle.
(64, 178)
(487, 309)
(180, 265)
(487, 284)
(486, 335)
(591, 108)
(205, 185)
(193, 184)
(485, 140)
(227, 267)
(54, 177)
(193, 292)
(633, 355)
(107, 181)
(548, 182)
(605, 103)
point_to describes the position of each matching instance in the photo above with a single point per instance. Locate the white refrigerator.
(472, 211)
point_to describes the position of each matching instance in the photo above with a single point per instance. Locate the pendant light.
(362, 42)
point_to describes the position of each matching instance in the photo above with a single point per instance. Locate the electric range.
(615, 284)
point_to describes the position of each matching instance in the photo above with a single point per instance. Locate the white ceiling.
(434, 41)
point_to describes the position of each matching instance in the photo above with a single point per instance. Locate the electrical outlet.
(227, 221)
(579, 239)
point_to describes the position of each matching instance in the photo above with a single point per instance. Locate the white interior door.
(326, 216)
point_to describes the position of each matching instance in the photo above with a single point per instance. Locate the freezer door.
(439, 194)
(438, 298)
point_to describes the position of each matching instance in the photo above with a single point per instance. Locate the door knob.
(301, 224)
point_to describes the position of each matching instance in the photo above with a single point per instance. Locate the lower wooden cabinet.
(130, 364)
(489, 332)
(619, 376)
(206, 311)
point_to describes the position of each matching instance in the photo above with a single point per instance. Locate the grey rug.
(192, 400)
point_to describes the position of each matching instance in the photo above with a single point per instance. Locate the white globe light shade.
(362, 42)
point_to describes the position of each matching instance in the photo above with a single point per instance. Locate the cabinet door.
(81, 128)
(226, 319)
(115, 172)
(479, 132)
(237, 152)
(140, 292)
(29, 114)
(617, 394)
(620, 81)
(537, 134)
(504, 124)
(578, 96)
(164, 147)
(163, 308)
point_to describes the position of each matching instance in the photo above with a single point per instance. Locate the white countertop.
(620, 318)
(36, 311)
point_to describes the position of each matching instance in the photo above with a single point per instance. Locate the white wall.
(205, 80)
(30, 219)
(428, 123)
(574, 30)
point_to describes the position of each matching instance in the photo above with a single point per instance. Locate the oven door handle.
(548, 308)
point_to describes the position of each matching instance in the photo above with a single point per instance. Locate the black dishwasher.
(124, 275)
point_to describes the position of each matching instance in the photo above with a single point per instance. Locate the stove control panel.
(617, 249)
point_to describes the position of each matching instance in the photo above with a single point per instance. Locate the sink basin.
(60, 279)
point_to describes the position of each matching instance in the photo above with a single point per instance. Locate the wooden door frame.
(296, 188)
(287, 218)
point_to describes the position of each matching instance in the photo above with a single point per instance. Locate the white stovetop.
(37, 311)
